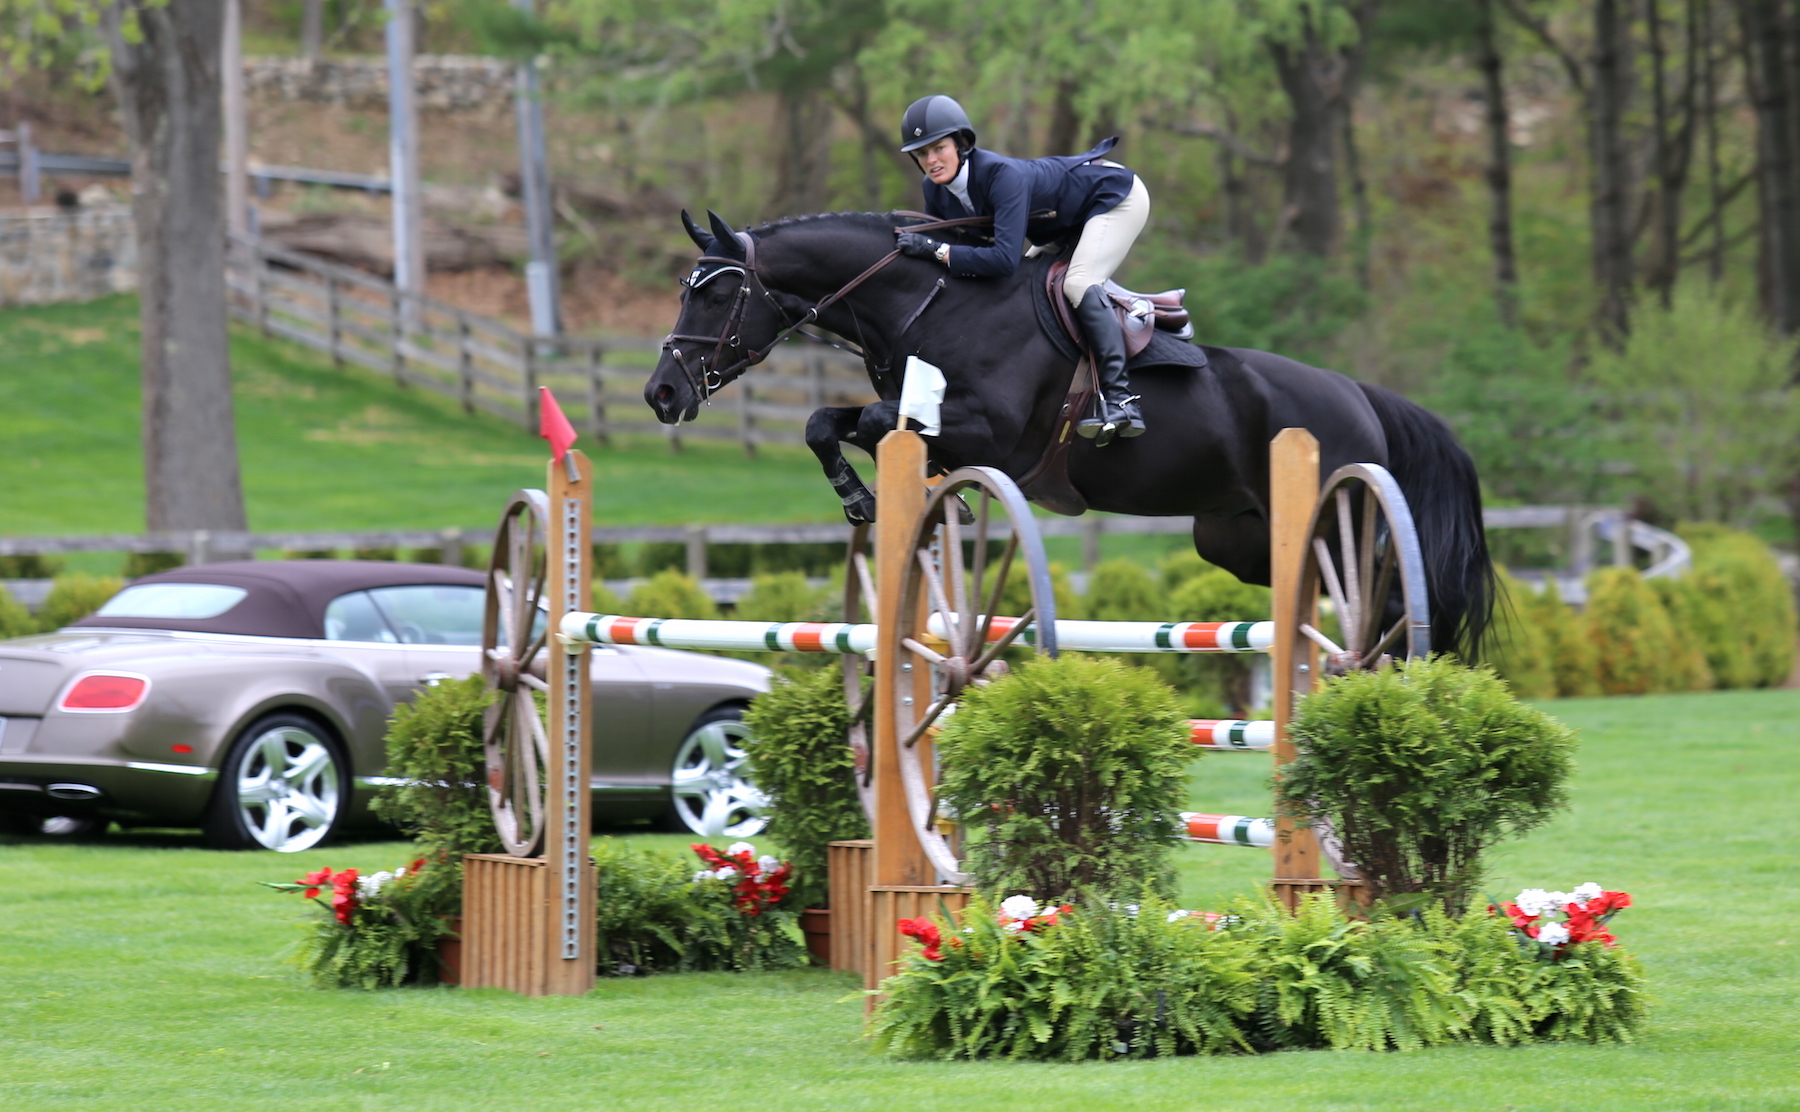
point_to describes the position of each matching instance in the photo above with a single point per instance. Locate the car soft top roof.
(287, 598)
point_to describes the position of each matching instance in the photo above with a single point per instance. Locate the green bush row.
(72, 597)
(1146, 980)
(1729, 622)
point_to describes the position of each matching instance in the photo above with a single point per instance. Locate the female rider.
(1100, 204)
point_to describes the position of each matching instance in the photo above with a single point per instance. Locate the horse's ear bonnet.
(726, 244)
(701, 240)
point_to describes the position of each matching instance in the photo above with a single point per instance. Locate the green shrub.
(31, 567)
(1574, 661)
(1419, 768)
(655, 557)
(1698, 620)
(655, 914)
(15, 620)
(1747, 627)
(782, 597)
(1016, 598)
(1124, 591)
(1590, 993)
(434, 747)
(149, 563)
(74, 597)
(1068, 774)
(1180, 566)
(1103, 982)
(800, 758)
(605, 601)
(1519, 648)
(1634, 640)
(1325, 980)
(1217, 596)
(1144, 980)
(670, 594)
(610, 562)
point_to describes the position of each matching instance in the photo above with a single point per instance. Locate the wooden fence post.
(696, 551)
(1293, 492)
(465, 365)
(597, 394)
(529, 372)
(334, 320)
(397, 334)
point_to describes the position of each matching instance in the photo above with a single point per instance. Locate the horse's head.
(728, 322)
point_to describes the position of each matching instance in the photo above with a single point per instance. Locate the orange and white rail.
(841, 637)
(1229, 830)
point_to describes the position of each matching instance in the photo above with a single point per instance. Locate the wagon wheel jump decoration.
(515, 741)
(952, 591)
(1363, 555)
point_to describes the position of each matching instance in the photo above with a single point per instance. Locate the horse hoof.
(860, 512)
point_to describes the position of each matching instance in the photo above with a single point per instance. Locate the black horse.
(1211, 411)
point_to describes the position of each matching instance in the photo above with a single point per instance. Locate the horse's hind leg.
(825, 429)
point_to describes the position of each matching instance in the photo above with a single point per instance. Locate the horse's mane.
(883, 222)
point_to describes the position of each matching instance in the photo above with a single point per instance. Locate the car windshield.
(433, 615)
(190, 601)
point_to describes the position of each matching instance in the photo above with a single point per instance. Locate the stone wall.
(444, 82)
(66, 256)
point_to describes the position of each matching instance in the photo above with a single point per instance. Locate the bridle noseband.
(730, 341)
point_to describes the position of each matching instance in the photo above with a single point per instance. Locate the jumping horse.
(1211, 411)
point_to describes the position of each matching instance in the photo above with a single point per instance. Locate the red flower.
(1608, 902)
(927, 933)
(1524, 922)
(343, 895)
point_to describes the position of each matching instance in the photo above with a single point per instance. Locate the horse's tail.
(1439, 481)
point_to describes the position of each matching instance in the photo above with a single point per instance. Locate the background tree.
(162, 59)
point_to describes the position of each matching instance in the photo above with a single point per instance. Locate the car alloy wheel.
(280, 787)
(709, 792)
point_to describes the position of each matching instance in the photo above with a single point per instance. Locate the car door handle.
(432, 679)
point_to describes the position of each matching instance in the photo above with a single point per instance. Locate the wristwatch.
(942, 254)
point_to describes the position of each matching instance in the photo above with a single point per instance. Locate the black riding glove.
(918, 246)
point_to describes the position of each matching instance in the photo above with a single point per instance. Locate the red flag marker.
(553, 426)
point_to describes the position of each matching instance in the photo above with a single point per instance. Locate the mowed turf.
(145, 973)
(329, 448)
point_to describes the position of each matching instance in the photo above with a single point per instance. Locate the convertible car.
(250, 699)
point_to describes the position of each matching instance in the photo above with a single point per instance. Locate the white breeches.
(1105, 241)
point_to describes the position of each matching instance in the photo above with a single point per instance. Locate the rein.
(710, 379)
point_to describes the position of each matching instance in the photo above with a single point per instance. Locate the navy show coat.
(1041, 199)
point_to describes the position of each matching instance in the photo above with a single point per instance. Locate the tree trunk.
(1319, 83)
(803, 177)
(1612, 171)
(1499, 169)
(1715, 255)
(167, 85)
(1767, 28)
(312, 27)
(1671, 152)
(1065, 124)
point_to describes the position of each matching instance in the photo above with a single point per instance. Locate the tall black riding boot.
(1119, 414)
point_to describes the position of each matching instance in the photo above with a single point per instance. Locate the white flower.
(740, 847)
(1553, 934)
(1585, 892)
(1178, 914)
(368, 886)
(703, 874)
(767, 863)
(1018, 907)
(725, 872)
(1558, 900)
(1013, 925)
(1535, 901)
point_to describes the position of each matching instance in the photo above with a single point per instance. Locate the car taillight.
(106, 692)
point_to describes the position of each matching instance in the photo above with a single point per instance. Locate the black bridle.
(729, 341)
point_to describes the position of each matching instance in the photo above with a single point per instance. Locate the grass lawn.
(329, 448)
(144, 973)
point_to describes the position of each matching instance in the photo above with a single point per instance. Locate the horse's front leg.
(825, 429)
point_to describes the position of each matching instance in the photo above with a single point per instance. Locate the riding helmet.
(929, 119)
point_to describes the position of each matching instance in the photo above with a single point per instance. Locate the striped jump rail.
(1231, 734)
(1229, 830)
(843, 637)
